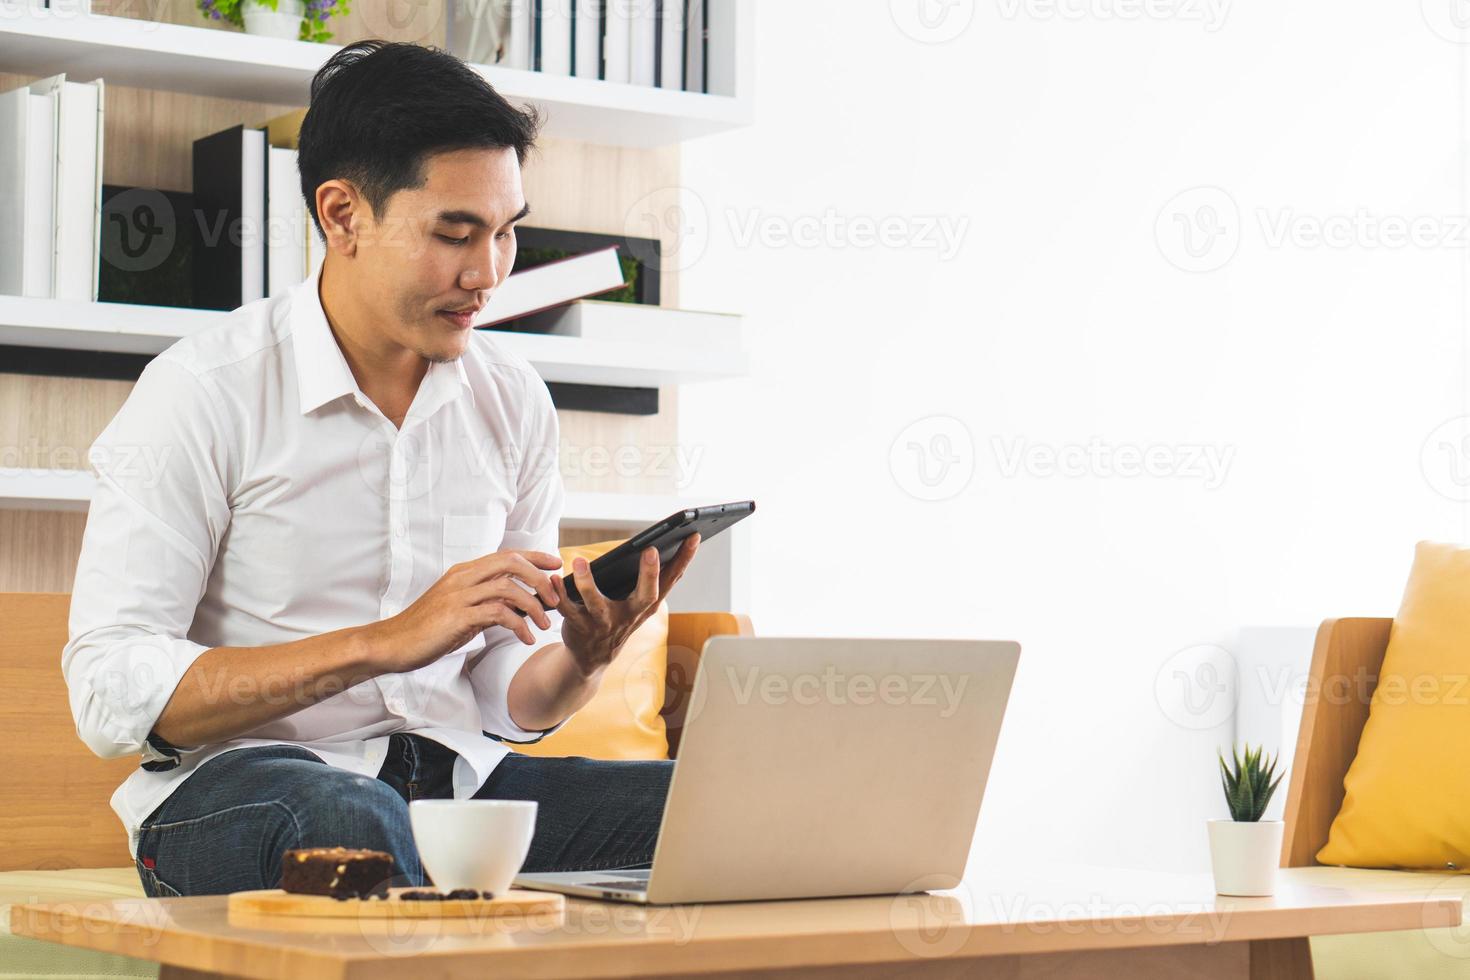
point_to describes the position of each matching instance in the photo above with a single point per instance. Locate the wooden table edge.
(82, 928)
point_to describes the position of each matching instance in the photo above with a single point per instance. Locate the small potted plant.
(294, 20)
(1246, 850)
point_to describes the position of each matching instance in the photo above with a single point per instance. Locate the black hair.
(379, 109)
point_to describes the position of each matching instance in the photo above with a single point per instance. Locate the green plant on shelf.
(1248, 784)
(313, 23)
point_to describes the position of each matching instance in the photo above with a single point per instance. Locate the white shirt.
(249, 493)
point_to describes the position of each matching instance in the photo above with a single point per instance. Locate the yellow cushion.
(622, 720)
(1407, 800)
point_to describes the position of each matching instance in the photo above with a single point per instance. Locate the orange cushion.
(622, 720)
(1406, 803)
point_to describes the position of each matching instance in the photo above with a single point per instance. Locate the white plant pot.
(283, 22)
(1245, 855)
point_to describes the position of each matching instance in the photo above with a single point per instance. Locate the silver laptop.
(813, 767)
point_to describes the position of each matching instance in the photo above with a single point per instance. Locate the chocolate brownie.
(340, 872)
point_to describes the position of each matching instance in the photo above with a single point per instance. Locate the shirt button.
(399, 530)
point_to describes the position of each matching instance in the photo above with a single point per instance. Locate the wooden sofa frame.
(55, 810)
(1346, 661)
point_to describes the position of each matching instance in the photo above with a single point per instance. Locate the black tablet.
(616, 573)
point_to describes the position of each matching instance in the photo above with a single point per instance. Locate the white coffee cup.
(478, 844)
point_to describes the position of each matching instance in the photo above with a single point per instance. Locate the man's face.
(442, 247)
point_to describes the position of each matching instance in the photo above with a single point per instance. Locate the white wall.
(1058, 144)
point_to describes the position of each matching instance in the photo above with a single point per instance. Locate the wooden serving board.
(274, 901)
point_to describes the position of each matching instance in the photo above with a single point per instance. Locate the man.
(306, 611)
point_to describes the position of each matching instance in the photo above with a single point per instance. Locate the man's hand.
(470, 597)
(595, 630)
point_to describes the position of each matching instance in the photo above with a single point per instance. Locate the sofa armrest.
(1345, 665)
(687, 635)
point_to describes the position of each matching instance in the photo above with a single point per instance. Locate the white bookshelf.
(200, 61)
(716, 580)
(235, 65)
(125, 328)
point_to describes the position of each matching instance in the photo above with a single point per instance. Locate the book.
(617, 27)
(553, 284)
(285, 211)
(27, 191)
(669, 71)
(516, 49)
(554, 37)
(147, 252)
(719, 46)
(635, 323)
(587, 28)
(696, 45)
(78, 186)
(643, 43)
(285, 130)
(229, 214)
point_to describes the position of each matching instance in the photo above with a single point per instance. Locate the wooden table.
(1052, 921)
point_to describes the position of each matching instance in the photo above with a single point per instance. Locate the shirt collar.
(322, 373)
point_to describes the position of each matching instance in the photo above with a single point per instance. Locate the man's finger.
(568, 609)
(541, 559)
(535, 579)
(592, 596)
(645, 596)
(681, 561)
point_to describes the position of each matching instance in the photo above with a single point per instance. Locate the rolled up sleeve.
(156, 519)
(533, 524)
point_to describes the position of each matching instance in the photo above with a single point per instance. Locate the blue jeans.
(228, 826)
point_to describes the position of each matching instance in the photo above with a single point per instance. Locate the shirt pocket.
(471, 536)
